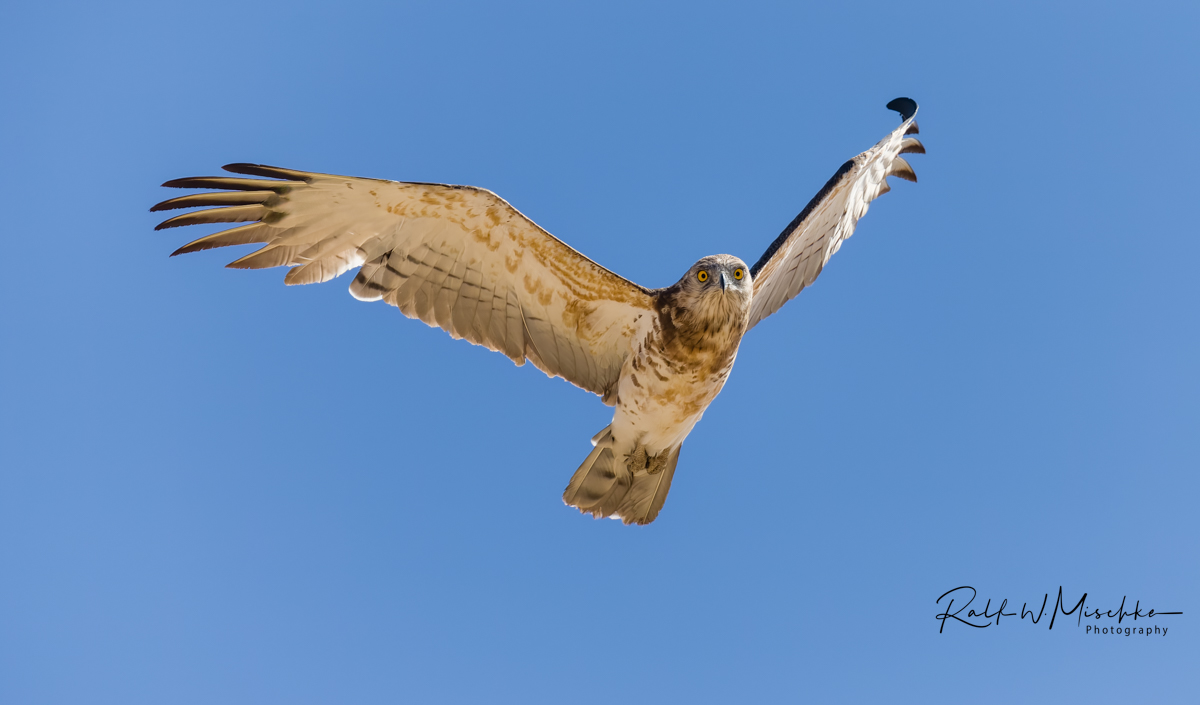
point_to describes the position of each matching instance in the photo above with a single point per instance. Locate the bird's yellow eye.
(737, 273)
(702, 275)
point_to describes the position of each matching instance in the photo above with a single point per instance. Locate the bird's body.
(676, 366)
(676, 370)
(462, 259)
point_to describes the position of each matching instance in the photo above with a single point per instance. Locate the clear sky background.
(217, 489)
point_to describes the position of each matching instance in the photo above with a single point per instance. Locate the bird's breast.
(666, 386)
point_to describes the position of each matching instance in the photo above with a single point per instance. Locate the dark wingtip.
(243, 167)
(907, 107)
(270, 172)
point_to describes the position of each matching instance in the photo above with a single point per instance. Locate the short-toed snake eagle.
(464, 260)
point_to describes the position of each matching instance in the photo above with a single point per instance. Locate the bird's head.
(717, 286)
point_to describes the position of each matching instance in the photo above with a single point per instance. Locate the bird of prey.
(462, 259)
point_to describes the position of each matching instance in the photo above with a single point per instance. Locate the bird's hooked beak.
(724, 281)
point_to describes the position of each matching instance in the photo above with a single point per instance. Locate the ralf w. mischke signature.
(960, 598)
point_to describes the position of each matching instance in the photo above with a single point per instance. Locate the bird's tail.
(631, 488)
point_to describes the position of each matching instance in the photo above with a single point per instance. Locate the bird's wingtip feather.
(907, 107)
(264, 170)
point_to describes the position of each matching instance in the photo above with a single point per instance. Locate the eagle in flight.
(464, 260)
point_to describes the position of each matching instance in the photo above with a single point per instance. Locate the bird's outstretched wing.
(456, 257)
(797, 256)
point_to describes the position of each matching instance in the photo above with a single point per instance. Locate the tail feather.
(646, 497)
(605, 486)
(600, 483)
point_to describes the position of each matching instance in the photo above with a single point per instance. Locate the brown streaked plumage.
(464, 260)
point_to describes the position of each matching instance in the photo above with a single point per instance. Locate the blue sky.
(214, 488)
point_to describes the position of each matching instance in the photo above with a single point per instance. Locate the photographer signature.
(988, 618)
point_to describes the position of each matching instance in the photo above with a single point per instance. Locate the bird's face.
(719, 285)
(719, 274)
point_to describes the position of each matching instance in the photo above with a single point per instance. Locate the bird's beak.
(724, 281)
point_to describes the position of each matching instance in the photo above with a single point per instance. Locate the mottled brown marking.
(512, 260)
(486, 239)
